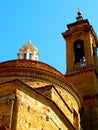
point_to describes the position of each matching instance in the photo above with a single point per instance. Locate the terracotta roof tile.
(29, 64)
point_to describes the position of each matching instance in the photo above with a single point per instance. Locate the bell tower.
(82, 68)
(81, 45)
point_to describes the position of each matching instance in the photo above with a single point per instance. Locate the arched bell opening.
(79, 51)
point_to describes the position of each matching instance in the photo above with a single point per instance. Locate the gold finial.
(29, 42)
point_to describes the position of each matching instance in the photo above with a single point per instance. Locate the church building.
(36, 96)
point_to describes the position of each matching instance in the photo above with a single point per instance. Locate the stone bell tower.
(81, 47)
(81, 44)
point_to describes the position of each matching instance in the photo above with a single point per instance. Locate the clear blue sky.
(42, 22)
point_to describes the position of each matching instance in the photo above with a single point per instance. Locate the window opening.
(30, 56)
(24, 56)
(79, 51)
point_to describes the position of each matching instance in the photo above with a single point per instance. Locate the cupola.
(28, 52)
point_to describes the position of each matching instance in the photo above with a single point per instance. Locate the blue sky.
(42, 22)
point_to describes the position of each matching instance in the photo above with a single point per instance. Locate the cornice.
(90, 69)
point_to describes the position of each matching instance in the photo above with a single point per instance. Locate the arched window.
(30, 56)
(79, 51)
(24, 56)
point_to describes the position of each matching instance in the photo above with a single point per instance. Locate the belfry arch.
(79, 51)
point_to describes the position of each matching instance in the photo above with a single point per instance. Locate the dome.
(29, 46)
(23, 63)
(30, 75)
(30, 69)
